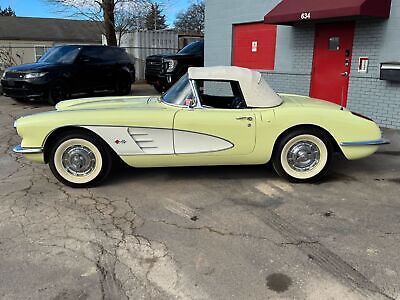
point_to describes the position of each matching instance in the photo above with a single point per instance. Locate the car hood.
(30, 67)
(135, 102)
(304, 101)
(169, 56)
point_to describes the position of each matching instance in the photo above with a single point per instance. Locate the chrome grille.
(153, 66)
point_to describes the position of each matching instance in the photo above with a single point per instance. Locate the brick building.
(344, 51)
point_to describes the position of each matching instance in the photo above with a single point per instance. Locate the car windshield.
(60, 55)
(195, 48)
(179, 92)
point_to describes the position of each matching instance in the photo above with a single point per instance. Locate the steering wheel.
(237, 103)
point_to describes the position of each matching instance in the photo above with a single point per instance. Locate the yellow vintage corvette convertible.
(212, 116)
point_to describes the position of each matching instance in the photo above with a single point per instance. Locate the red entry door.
(332, 62)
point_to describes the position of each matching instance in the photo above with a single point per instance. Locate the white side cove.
(191, 142)
(150, 141)
(153, 141)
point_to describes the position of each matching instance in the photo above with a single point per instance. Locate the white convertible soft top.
(255, 89)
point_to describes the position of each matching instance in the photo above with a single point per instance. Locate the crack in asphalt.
(299, 243)
(321, 255)
(101, 215)
(93, 227)
(215, 231)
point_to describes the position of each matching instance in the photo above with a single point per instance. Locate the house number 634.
(305, 16)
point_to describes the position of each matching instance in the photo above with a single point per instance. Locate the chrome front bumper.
(19, 149)
(366, 143)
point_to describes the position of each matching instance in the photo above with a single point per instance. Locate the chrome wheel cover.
(303, 156)
(78, 160)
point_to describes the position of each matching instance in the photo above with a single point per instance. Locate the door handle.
(245, 118)
(345, 74)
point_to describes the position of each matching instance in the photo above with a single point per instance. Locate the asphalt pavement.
(235, 232)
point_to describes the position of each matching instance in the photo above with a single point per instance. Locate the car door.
(85, 70)
(214, 131)
(109, 67)
(94, 68)
(216, 128)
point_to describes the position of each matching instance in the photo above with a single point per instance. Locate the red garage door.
(254, 46)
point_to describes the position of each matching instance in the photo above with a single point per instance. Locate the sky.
(41, 8)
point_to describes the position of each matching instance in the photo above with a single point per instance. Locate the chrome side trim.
(20, 150)
(366, 143)
(196, 94)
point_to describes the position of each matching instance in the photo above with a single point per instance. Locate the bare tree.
(127, 21)
(8, 58)
(192, 19)
(115, 15)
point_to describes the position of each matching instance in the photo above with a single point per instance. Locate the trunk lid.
(304, 101)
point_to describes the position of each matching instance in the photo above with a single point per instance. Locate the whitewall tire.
(303, 155)
(80, 160)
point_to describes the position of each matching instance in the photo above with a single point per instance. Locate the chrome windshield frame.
(195, 95)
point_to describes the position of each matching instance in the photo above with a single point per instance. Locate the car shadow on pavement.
(342, 171)
(124, 174)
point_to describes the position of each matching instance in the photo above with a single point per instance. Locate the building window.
(254, 46)
(39, 52)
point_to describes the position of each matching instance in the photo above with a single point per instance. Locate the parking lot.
(198, 233)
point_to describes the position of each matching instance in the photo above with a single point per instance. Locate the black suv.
(162, 71)
(65, 70)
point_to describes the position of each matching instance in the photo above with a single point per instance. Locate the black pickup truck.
(162, 71)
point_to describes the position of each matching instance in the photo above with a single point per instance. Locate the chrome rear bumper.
(19, 149)
(366, 143)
